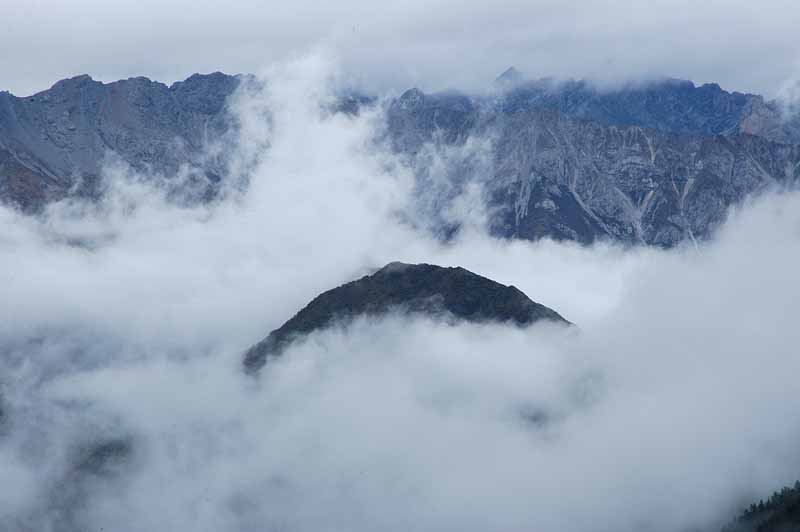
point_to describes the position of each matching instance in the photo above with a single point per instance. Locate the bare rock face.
(55, 142)
(655, 165)
(780, 512)
(451, 293)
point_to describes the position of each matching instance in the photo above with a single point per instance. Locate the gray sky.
(743, 45)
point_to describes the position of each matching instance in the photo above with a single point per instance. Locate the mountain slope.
(780, 513)
(409, 288)
(657, 163)
(55, 142)
(548, 174)
(669, 105)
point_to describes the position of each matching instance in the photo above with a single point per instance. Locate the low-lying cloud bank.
(672, 406)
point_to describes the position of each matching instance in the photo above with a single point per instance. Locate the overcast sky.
(742, 45)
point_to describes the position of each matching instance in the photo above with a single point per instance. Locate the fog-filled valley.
(670, 405)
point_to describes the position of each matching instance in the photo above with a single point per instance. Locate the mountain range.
(656, 163)
(55, 143)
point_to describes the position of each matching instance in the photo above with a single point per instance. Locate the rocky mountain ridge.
(547, 174)
(657, 163)
(55, 142)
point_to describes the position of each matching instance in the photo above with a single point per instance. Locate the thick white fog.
(670, 406)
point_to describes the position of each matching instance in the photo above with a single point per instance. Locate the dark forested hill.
(779, 513)
(407, 288)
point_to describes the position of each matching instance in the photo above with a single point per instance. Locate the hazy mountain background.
(651, 163)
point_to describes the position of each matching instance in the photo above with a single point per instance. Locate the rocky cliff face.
(550, 171)
(670, 105)
(657, 163)
(450, 293)
(54, 143)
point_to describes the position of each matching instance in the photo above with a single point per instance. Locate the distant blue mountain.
(672, 105)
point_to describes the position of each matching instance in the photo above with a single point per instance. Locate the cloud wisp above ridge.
(671, 405)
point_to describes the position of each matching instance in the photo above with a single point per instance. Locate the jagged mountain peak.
(509, 76)
(69, 84)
